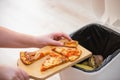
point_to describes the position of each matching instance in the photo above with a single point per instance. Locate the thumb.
(56, 43)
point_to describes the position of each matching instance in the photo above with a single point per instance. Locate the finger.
(25, 75)
(67, 36)
(15, 78)
(58, 38)
(19, 74)
(64, 35)
(56, 43)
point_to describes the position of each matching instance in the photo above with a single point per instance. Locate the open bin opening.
(100, 40)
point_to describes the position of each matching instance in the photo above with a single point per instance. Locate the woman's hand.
(12, 39)
(9, 73)
(52, 39)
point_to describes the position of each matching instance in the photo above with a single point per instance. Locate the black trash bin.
(100, 40)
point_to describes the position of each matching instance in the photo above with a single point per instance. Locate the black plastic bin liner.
(98, 39)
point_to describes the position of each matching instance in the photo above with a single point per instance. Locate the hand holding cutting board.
(52, 59)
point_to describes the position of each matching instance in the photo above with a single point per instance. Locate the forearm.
(12, 39)
(9, 38)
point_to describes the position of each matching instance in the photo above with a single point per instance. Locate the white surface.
(38, 17)
(107, 10)
(43, 16)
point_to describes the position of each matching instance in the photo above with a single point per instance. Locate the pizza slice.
(54, 59)
(29, 57)
(71, 53)
(69, 43)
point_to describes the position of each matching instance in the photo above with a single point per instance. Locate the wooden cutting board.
(34, 69)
